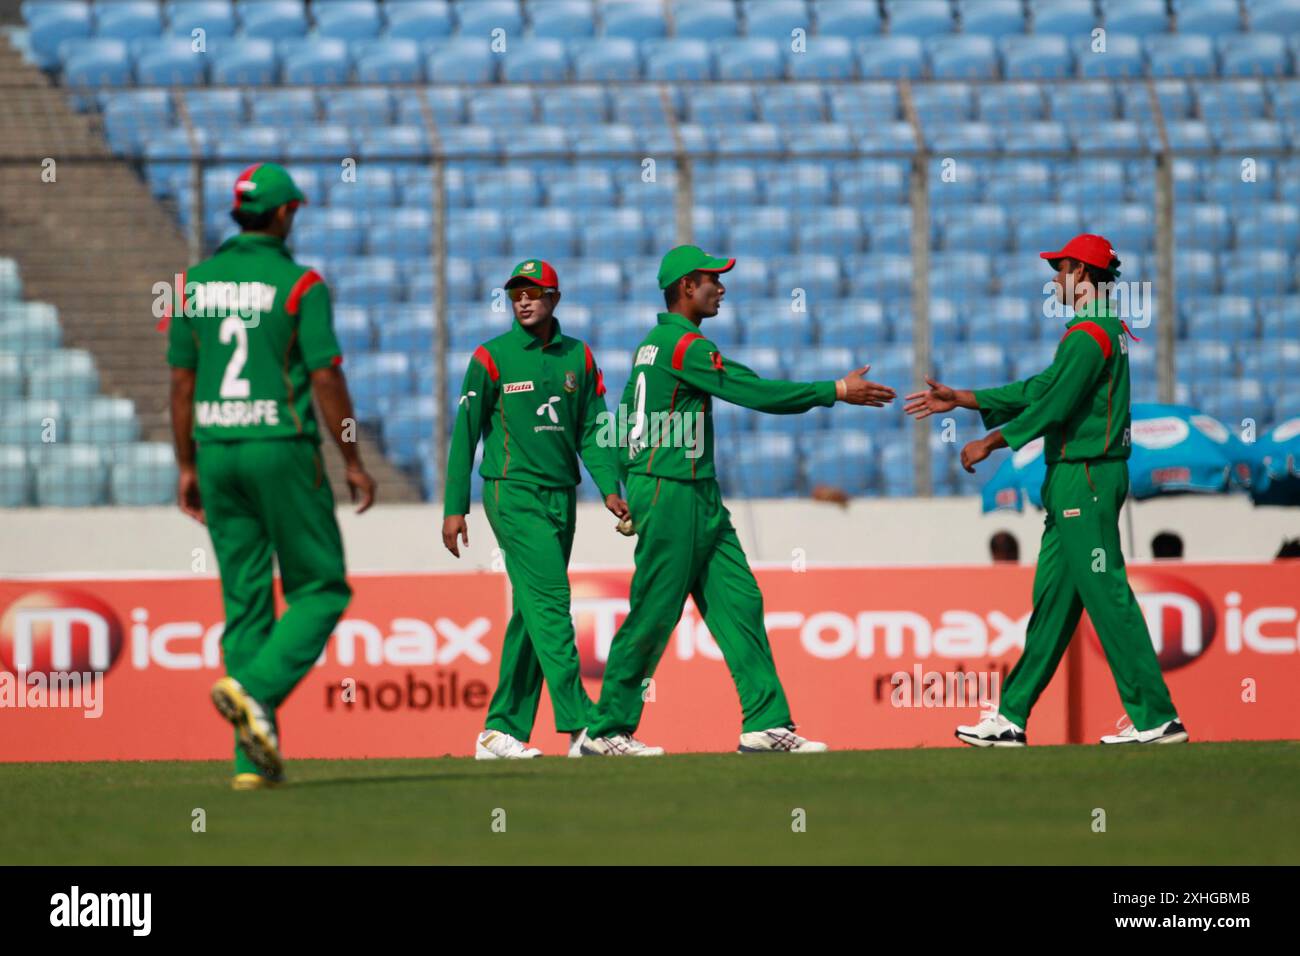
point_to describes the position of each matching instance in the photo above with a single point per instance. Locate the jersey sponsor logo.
(547, 408)
(570, 382)
(646, 354)
(513, 387)
(248, 300)
(237, 414)
(1070, 513)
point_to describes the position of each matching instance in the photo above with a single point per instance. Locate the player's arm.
(183, 357)
(699, 363)
(477, 396)
(321, 353)
(996, 406)
(599, 454)
(1053, 399)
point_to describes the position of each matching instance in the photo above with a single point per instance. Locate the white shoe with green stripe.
(498, 745)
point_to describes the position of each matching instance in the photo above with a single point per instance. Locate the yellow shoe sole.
(232, 703)
(253, 781)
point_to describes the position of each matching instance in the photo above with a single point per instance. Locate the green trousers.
(686, 545)
(534, 529)
(262, 498)
(1081, 567)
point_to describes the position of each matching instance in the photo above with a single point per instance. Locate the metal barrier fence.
(897, 224)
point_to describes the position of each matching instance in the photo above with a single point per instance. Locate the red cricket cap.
(1094, 250)
(535, 271)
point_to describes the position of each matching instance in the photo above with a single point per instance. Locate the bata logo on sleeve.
(513, 387)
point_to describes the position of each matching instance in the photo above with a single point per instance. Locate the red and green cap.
(684, 260)
(1094, 250)
(265, 186)
(534, 271)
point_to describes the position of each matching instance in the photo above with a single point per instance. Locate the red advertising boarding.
(870, 657)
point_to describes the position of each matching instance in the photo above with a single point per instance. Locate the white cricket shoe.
(256, 732)
(778, 740)
(617, 745)
(994, 731)
(1170, 732)
(495, 745)
(576, 740)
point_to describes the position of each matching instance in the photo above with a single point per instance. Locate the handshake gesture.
(856, 390)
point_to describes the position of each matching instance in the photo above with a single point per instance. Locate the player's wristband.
(841, 390)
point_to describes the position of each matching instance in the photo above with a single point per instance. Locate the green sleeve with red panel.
(1001, 404)
(478, 396)
(699, 363)
(1073, 375)
(598, 453)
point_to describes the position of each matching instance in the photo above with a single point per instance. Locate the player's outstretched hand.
(974, 452)
(187, 494)
(453, 527)
(936, 400)
(858, 391)
(362, 487)
(617, 506)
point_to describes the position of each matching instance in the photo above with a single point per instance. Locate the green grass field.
(1202, 803)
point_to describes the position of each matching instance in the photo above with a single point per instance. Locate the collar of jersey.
(525, 339)
(1096, 309)
(672, 318)
(253, 239)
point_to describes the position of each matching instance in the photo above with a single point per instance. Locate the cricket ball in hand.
(625, 527)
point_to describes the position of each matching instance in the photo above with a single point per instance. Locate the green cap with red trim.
(684, 260)
(265, 186)
(534, 271)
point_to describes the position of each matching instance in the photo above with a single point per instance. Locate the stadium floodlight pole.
(1165, 300)
(197, 212)
(919, 197)
(438, 254)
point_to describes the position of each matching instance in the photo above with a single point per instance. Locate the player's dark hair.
(252, 221)
(674, 292)
(1167, 545)
(1003, 546)
(1095, 274)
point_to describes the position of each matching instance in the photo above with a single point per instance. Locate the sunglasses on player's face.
(533, 292)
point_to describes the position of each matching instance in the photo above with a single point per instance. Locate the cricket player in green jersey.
(537, 399)
(1080, 406)
(250, 342)
(686, 544)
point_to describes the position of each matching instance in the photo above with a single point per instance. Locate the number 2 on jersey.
(232, 386)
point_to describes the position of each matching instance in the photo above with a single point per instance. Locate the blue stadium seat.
(1141, 18)
(102, 420)
(481, 17)
(249, 144)
(1253, 54)
(1244, 99)
(477, 232)
(824, 58)
(974, 365)
(1227, 318)
(373, 188)
(1274, 16)
(410, 423)
(389, 61)
(991, 18)
(251, 61)
(759, 231)
(1036, 57)
(631, 20)
(1050, 226)
(644, 106)
(50, 24)
(762, 355)
(834, 230)
(1201, 226)
(1005, 102)
(579, 187)
(215, 17)
(347, 19)
(1232, 401)
(976, 228)
(776, 19)
(29, 327)
(956, 137)
(1269, 227)
(729, 187)
(1242, 136)
(317, 60)
(745, 58)
(750, 137)
(550, 233)
(469, 61)
(535, 61)
(1025, 180)
(562, 18)
(353, 329)
(1180, 55)
(677, 59)
(171, 62)
(1272, 362)
(1211, 17)
(605, 138)
(1202, 359)
(1222, 181)
(127, 20)
(846, 18)
(941, 103)
(857, 324)
(1123, 57)
(15, 478)
(28, 421)
(890, 58)
(321, 143)
(387, 142)
(1004, 319)
(793, 104)
(375, 379)
(919, 18)
(407, 328)
(722, 105)
(962, 57)
(766, 466)
(613, 233)
(95, 63)
(818, 275)
(61, 374)
(705, 19)
(1257, 272)
(471, 141)
(358, 107)
(605, 59)
(418, 19)
(272, 19)
(864, 104)
(593, 281)
(70, 476)
(503, 107)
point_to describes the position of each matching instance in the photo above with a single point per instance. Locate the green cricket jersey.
(1080, 403)
(537, 410)
(253, 324)
(667, 407)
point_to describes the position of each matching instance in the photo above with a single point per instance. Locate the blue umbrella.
(1275, 465)
(1176, 449)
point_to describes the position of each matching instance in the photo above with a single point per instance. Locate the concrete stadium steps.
(94, 242)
